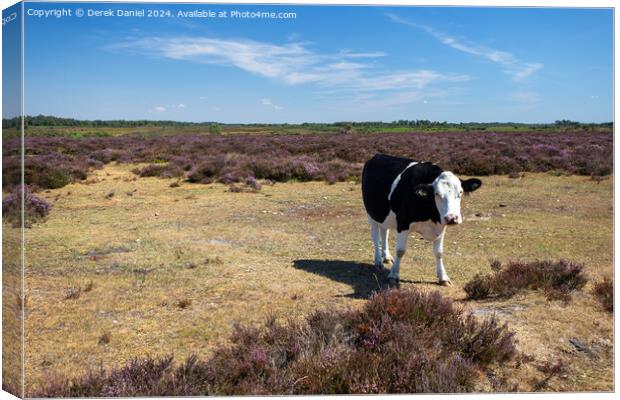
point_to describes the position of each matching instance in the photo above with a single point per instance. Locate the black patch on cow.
(412, 199)
(377, 177)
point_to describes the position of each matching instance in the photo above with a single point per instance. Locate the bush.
(253, 183)
(161, 170)
(52, 170)
(557, 279)
(604, 292)
(400, 342)
(35, 208)
(479, 287)
(215, 129)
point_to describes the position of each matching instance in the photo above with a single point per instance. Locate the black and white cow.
(406, 195)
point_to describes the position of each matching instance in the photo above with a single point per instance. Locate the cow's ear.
(423, 191)
(471, 184)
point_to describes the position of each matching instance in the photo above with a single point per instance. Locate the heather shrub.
(103, 155)
(479, 287)
(90, 385)
(202, 173)
(253, 183)
(556, 279)
(161, 170)
(207, 169)
(228, 177)
(604, 292)
(50, 171)
(55, 161)
(185, 163)
(35, 208)
(138, 378)
(94, 163)
(399, 342)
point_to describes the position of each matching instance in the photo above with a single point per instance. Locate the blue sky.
(328, 64)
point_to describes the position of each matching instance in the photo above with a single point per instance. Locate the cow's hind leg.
(374, 234)
(442, 276)
(401, 248)
(385, 247)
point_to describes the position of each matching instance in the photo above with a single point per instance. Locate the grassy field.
(11, 309)
(123, 268)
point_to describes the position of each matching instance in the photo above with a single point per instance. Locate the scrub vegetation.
(35, 208)
(401, 341)
(558, 280)
(53, 162)
(604, 291)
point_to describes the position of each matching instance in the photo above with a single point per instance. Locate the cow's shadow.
(364, 278)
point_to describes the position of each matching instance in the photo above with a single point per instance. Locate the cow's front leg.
(401, 248)
(374, 234)
(385, 248)
(442, 276)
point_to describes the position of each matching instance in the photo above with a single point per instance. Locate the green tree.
(215, 129)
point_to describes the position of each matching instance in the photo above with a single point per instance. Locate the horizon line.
(311, 122)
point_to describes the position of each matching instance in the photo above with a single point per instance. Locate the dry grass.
(420, 340)
(11, 309)
(287, 250)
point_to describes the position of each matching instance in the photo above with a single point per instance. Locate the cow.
(408, 195)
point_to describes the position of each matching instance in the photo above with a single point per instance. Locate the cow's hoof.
(388, 260)
(445, 283)
(394, 283)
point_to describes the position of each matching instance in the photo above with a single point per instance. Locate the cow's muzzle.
(452, 219)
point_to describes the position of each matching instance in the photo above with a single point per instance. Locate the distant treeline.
(45, 120)
(427, 123)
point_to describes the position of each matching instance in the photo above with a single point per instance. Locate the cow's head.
(447, 190)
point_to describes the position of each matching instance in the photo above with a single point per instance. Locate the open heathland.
(53, 162)
(127, 267)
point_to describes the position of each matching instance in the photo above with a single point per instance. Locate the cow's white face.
(448, 192)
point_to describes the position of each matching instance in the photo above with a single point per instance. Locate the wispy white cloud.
(269, 103)
(408, 79)
(293, 63)
(525, 71)
(518, 69)
(265, 59)
(351, 54)
(161, 109)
